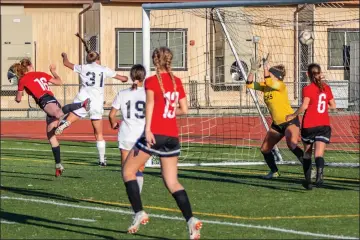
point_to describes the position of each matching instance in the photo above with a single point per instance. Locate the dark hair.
(137, 74)
(317, 81)
(92, 56)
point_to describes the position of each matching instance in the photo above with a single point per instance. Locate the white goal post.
(200, 147)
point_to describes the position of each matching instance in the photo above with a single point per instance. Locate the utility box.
(16, 42)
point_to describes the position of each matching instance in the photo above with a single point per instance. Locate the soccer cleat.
(59, 169)
(319, 177)
(139, 218)
(271, 175)
(194, 226)
(63, 125)
(103, 164)
(86, 104)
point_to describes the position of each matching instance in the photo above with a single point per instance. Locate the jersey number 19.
(139, 108)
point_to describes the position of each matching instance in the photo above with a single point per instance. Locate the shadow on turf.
(225, 177)
(41, 174)
(221, 178)
(43, 222)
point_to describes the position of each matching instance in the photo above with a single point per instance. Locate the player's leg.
(124, 153)
(292, 134)
(53, 109)
(75, 106)
(308, 146)
(51, 124)
(320, 162)
(70, 119)
(169, 172)
(135, 159)
(100, 142)
(271, 139)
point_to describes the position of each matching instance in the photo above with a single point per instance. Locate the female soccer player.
(276, 99)
(317, 99)
(132, 104)
(36, 85)
(164, 92)
(92, 77)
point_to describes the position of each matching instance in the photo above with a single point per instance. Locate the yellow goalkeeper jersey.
(275, 97)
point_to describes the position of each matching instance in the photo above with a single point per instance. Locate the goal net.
(212, 48)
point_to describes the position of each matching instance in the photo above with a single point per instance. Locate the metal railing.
(204, 98)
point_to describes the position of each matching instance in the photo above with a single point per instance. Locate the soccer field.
(90, 202)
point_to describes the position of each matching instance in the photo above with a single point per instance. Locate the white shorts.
(126, 145)
(96, 106)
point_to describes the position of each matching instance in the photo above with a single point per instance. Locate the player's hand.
(290, 117)
(77, 34)
(255, 65)
(17, 100)
(52, 67)
(115, 125)
(265, 60)
(64, 55)
(150, 139)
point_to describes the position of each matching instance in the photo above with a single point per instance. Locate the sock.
(299, 153)
(71, 107)
(183, 203)
(320, 162)
(270, 160)
(56, 153)
(307, 168)
(101, 149)
(140, 180)
(132, 190)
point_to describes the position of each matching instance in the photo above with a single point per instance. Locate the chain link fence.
(203, 98)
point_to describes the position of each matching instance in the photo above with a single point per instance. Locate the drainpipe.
(296, 51)
(80, 30)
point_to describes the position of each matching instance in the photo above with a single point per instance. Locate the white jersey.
(132, 106)
(93, 77)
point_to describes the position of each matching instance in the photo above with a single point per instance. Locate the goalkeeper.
(276, 100)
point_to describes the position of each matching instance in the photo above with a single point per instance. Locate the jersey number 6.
(321, 107)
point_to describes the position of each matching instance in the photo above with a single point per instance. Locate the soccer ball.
(11, 76)
(306, 37)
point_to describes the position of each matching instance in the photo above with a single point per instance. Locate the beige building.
(42, 30)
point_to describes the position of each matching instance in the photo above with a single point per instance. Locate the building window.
(339, 47)
(129, 46)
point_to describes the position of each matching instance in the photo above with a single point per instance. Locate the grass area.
(89, 202)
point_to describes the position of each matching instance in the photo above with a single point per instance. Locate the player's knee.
(59, 113)
(128, 175)
(265, 150)
(99, 136)
(307, 155)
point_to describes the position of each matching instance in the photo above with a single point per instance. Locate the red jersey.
(35, 84)
(163, 120)
(317, 111)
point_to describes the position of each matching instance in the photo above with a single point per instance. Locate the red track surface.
(220, 130)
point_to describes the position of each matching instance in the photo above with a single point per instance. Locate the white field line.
(83, 219)
(114, 210)
(223, 163)
(7, 222)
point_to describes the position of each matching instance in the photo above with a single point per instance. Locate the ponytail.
(314, 70)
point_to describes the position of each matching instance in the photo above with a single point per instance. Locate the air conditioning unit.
(244, 46)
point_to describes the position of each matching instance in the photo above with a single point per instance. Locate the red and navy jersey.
(317, 111)
(163, 120)
(35, 84)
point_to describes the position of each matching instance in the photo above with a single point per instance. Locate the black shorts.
(45, 99)
(165, 146)
(282, 127)
(321, 134)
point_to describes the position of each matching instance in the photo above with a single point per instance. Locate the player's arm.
(300, 110)
(56, 80)
(114, 123)
(121, 78)
(18, 96)
(255, 65)
(332, 103)
(149, 109)
(66, 61)
(183, 106)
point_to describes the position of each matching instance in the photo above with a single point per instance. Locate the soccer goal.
(212, 43)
